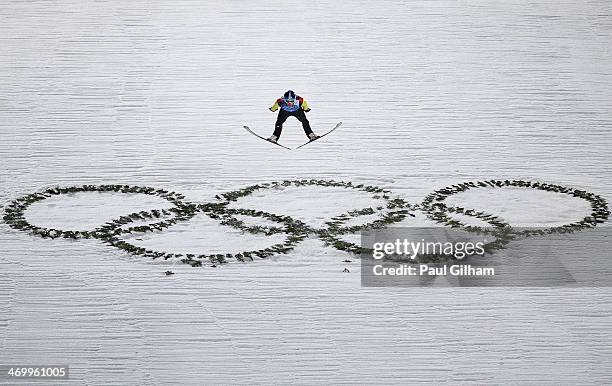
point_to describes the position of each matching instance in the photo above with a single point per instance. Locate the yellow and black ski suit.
(296, 108)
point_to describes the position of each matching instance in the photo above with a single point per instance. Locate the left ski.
(321, 136)
(265, 139)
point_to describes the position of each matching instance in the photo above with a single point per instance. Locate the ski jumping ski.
(278, 144)
(321, 136)
(265, 139)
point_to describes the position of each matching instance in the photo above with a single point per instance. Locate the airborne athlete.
(291, 105)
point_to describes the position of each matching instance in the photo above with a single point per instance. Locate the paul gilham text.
(426, 270)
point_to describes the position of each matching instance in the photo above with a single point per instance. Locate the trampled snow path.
(430, 93)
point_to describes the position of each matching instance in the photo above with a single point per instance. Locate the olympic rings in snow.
(395, 210)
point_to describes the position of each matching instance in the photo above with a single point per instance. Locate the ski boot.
(272, 139)
(312, 136)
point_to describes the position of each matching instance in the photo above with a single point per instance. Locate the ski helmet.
(289, 95)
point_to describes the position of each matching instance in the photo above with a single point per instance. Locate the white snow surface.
(430, 93)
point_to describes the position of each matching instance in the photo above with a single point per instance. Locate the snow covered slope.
(430, 94)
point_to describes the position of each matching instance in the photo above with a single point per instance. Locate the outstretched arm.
(304, 105)
(275, 106)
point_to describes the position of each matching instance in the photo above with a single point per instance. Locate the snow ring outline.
(215, 211)
(398, 207)
(500, 229)
(437, 210)
(15, 211)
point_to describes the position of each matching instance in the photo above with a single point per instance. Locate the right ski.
(265, 139)
(321, 136)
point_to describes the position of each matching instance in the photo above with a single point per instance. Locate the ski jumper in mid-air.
(291, 105)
